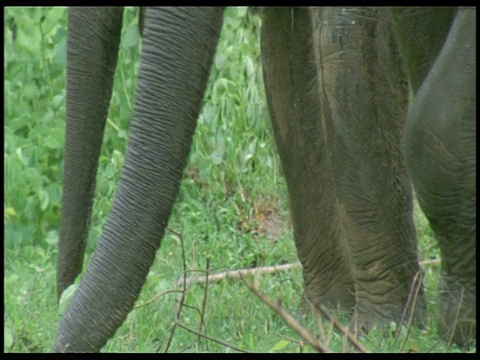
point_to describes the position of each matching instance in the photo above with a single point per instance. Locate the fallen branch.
(433, 262)
(211, 338)
(289, 319)
(324, 312)
(237, 274)
(184, 291)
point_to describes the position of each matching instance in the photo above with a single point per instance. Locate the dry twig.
(237, 274)
(412, 299)
(343, 329)
(184, 291)
(204, 303)
(211, 338)
(289, 319)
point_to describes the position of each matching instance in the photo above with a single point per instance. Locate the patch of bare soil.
(265, 221)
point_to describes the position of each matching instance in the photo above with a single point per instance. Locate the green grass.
(232, 181)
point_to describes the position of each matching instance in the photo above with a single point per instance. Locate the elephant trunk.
(178, 49)
(88, 82)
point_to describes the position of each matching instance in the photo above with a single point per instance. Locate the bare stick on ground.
(289, 319)
(184, 290)
(237, 274)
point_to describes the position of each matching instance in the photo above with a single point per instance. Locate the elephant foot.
(362, 324)
(342, 303)
(341, 296)
(398, 307)
(456, 313)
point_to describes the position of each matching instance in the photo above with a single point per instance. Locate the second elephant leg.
(363, 93)
(440, 149)
(293, 101)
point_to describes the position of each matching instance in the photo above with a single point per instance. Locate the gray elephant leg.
(421, 32)
(440, 149)
(87, 83)
(292, 95)
(364, 98)
(178, 49)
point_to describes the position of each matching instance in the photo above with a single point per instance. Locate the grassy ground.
(232, 207)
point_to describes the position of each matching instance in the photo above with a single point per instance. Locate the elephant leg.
(178, 49)
(440, 149)
(421, 33)
(293, 101)
(87, 83)
(364, 95)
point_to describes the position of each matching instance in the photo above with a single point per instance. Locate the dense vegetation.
(232, 207)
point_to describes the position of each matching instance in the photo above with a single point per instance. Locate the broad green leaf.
(66, 297)
(131, 37)
(52, 237)
(7, 337)
(10, 211)
(282, 344)
(44, 199)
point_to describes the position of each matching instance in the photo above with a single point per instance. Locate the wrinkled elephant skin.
(364, 103)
